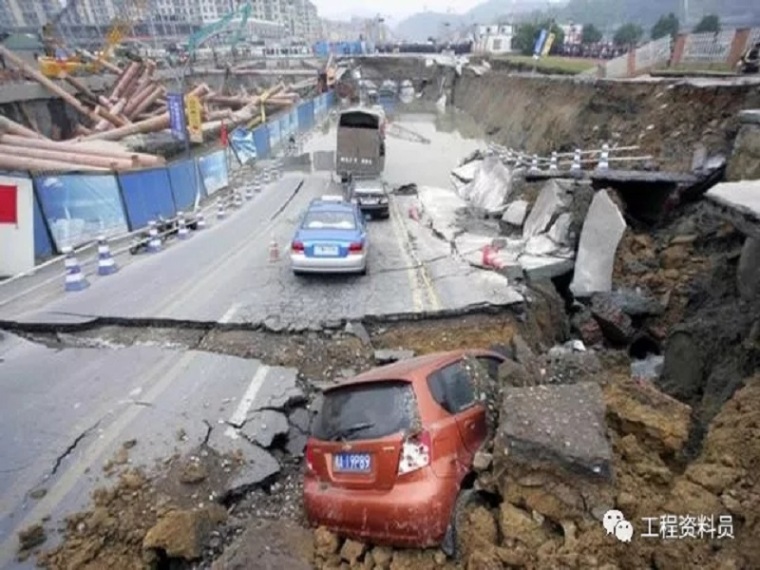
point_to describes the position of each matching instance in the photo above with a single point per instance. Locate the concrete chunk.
(601, 234)
(540, 245)
(491, 187)
(279, 390)
(548, 204)
(545, 267)
(615, 324)
(559, 233)
(258, 467)
(264, 426)
(552, 447)
(516, 213)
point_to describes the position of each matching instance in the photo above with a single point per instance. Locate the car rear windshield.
(339, 220)
(366, 411)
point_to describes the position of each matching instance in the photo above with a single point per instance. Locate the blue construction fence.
(74, 209)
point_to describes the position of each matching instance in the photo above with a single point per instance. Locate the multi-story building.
(493, 38)
(27, 13)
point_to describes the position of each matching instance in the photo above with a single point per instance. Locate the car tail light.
(416, 453)
(297, 246)
(309, 458)
(356, 247)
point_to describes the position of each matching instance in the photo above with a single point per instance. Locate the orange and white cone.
(274, 251)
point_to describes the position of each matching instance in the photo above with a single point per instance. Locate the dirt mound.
(667, 120)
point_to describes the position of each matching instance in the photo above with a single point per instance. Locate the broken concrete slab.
(442, 206)
(633, 302)
(545, 267)
(262, 427)
(466, 172)
(182, 535)
(388, 356)
(516, 213)
(280, 390)
(559, 232)
(552, 198)
(560, 463)
(615, 324)
(491, 186)
(739, 202)
(300, 428)
(600, 236)
(540, 245)
(258, 467)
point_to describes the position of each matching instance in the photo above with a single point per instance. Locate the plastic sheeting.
(261, 139)
(80, 207)
(187, 186)
(243, 145)
(213, 169)
(305, 113)
(43, 246)
(274, 134)
(147, 195)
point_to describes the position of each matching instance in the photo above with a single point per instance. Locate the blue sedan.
(331, 238)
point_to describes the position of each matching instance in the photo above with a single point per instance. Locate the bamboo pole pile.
(136, 103)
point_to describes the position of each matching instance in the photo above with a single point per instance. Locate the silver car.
(371, 196)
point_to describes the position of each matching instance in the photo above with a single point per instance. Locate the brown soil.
(666, 120)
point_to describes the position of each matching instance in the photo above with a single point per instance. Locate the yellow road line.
(417, 303)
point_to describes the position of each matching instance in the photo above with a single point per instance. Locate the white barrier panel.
(16, 225)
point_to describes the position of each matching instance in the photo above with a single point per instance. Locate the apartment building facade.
(27, 13)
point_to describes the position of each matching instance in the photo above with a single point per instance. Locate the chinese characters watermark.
(671, 527)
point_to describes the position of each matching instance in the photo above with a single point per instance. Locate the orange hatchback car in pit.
(391, 449)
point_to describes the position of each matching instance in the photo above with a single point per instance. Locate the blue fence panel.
(261, 139)
(147, 195)
(243, 145)
(284, 127)
(80, 207)
(294, 128)
(315, 105)
(306, 115)
(43, 247)
(186, 183)
(274, 134)
(213, 169)
(329, 99)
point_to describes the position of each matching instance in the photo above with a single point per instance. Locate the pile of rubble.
(135, 104)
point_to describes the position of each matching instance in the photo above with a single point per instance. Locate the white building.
(27, 13)
(493, 38)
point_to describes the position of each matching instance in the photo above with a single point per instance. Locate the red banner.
(8, 204)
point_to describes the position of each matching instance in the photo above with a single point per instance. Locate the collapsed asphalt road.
(72, 412)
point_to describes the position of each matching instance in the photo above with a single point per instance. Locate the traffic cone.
(553, 161)
(267, 177)
(154, 241)
(534, 164)
(576, 160)
(75, 279)
(274, 251)
(604, 159)
(238, 200)
(220, 213)
(106, 263)
(257, 186)
(182, 231)
(200, 220)
(249, 193)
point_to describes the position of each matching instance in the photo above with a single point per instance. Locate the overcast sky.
(393, 10)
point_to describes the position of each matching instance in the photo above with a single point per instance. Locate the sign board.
(177, 121)
(16, 225)
(194, 118)
(548, 45)
(539, 46)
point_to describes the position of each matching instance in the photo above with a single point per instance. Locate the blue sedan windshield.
(337, 220)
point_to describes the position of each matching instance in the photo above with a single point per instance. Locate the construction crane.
(203, 35)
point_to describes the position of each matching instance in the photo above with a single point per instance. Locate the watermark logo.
(616, 524)
(670, 527)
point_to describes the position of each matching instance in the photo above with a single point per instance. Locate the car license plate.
(325, 250)
(352, 462)
(371, 201)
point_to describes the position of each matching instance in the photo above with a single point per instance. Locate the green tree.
(628, 35)
(591, 34)
(710, 23)
(666, 26)
(526, 34)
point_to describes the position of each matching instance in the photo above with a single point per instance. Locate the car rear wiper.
(344, 433)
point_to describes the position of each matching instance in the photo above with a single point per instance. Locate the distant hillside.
(426, 24)
(606, 14)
